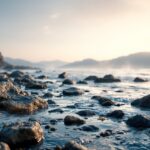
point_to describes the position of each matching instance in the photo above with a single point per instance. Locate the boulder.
(137, 79)
(82, 82)
(143, 102)
(103, 101)
(68, 81)
(72, 92)
(116, 114)
(17, 74)
(72, 120)
(91, 78)
(72, 145)
(90, 128)
(22, 134)
(23, 104)
(139, 121)
(63, 75)
(86, 113)
(47, 95)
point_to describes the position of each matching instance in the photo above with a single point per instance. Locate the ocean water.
(132, 139)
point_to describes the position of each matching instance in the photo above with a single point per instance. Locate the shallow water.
(131, 139)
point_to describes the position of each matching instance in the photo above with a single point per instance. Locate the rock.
(63, 75)
(139, 121)
(4, 146)
(86, 113)
(72, 92)
(82, 82)
(143, 102)
(47, 95)
(22, 134)
(107, 79)
(91, 78)
(90, 128)
(58, 110)
(106, 133)
(42, 77)
(71, 120)
(23, 104)
(72, 145)
(17, 74)
(68, 81)
(137, 79)
(50, 102)
(116, 114)
(103, 101)
(4, 77)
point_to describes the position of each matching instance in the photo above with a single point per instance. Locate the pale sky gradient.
(73, 29)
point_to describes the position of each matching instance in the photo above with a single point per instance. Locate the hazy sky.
(73, 29)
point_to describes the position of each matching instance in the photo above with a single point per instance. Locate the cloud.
(55, 16)
(46, 30)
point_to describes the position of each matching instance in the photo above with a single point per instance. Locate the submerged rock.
(4, 146)
(107, 79)
(47, 95)
(103, 101)
(106, 133)
(137, 79)
(63, 75)
(72, 92)
(23, 104)
(86, 113)
(22, 134)
(139, 121)
(90, 128)
(116, 114)
(72, 120)
(72, 145)
(91, 78)
(68, 81)
(82, 82)
(143, 102)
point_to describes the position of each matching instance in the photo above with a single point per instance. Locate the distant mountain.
(137, 60)
(42, 64)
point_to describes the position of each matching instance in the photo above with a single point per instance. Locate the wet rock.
(68, 81)
(116, 114)
(72, 92)
(58, 110)
(51, 102)
(90, 128)
(4, 146)
(106, 133)
(139, 121)
(22, 134)
(72, 120)
(23, 104)
(72, 145)
(143, 102)
(86, 113)
(91, 78)
(47, 95)
(137, 79)
(16, 74)
(71, 106)
(107, 79)
(63, 75)
(82, 82)
(4, 77)
(42, 77)
(53, 122)
(103, 101)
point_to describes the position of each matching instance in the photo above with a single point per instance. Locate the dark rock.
(139, 121)
(63, 75)
(91, 78)
(22, 134)
(137, 79)
(53, 122)
(106, 133)
(107, 79)
(71, 106)
(36, 85)
(116, 114)
(103, 101)
(51, 102)
(90, 128)
(72, 92)
(143, 102)
(68, 81)
(42, 77)
(58, 110)
(86, 113)
(72, 145)
(23, 104)
(71, 120)
(4, 146)
(47, 95)
(17, 74)
(82, 82)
